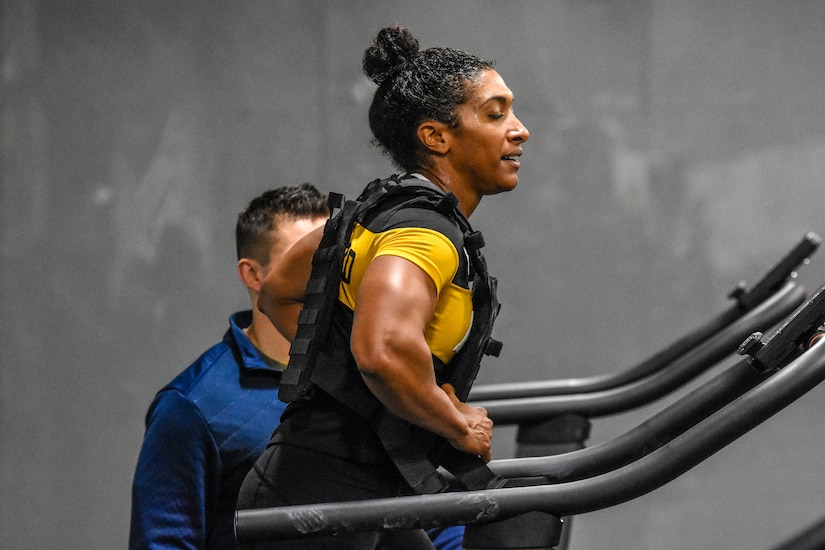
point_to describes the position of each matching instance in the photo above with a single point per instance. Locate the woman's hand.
(479, 437)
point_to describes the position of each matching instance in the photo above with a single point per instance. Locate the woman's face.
(486, 145)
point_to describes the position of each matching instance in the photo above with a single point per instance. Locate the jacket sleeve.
(447, 538)
(177, 478)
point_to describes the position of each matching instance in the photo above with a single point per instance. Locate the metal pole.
(644, 438)
(811, 538)
(655, 386)
(577, 497)
(746, 299)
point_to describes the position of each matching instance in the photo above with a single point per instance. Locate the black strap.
(417, 453)
(319, 299)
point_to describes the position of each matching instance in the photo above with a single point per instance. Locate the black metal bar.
(566, 386)
(786, 341)
(778, 274)
(811, 538)
(792, 334)
(644, 438)
(573, 498)
(746, 299)
(655, 386)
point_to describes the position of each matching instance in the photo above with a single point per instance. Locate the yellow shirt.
(431, 242)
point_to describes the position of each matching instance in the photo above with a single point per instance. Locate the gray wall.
(677, 147)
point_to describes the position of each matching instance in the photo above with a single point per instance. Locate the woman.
(445, 117)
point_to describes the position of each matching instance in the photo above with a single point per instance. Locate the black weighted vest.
(315, 362)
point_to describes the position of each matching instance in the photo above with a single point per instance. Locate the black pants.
(286, 475)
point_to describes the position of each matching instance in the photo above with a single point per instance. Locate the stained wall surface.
(677, 148)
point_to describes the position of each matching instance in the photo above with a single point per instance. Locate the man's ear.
(434, 136)
(250, 273)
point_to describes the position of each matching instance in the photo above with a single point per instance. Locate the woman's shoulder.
(415, 206)
(425, 218)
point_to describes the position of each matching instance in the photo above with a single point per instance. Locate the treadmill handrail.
(654, 386)
(745, 300)
(642, 439)
(811, 537)
(565, 499)
(766, 357)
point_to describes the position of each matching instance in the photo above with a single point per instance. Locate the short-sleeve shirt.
(432, 243)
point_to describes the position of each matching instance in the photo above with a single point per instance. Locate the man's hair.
(260, 217)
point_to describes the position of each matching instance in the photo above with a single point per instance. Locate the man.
(205, 428)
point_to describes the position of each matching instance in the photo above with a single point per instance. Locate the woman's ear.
(434, 136)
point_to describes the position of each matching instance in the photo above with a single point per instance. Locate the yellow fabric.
(433, 253)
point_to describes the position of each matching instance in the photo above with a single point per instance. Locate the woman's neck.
(467, 202)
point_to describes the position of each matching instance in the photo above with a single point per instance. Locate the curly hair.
(414, 86)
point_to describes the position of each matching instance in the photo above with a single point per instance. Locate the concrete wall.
(677, 147)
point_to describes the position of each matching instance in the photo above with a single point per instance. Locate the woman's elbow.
(370, 356)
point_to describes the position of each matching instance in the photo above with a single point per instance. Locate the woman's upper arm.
(283, 289)
(396, 301)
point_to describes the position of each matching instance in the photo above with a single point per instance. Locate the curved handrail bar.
(642, 439)
(766, 357)
(745, 300)
(655, 386)
(565, 386)
(810, 538)
(566, 499)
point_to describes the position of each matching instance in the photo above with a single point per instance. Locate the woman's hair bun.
(390, 50)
